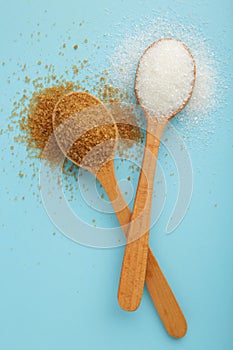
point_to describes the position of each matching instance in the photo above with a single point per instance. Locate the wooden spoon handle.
(164, 300)
(134, 264)
(158, 287)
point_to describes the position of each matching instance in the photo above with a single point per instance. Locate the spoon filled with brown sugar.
(164, 84)
(87, 134)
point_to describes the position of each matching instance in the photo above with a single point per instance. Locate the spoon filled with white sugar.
(164, 84)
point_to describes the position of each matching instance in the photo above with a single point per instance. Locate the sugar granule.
(129, 48)
(85, 129)
(165, 77)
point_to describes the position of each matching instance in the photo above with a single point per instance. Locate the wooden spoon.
(158, 287)
(136, 257)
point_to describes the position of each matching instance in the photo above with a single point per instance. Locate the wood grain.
(134, 264)
(158, 287)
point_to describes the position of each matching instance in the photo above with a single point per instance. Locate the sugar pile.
(165, 77)
(130, 47)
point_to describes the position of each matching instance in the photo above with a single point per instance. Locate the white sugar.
(165, 77)
(205, 98)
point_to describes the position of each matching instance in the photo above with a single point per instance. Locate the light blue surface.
(56, 294)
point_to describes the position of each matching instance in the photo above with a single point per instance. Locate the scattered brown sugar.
(121, 108)
(85, 129)
(30, 121)
(125, 118)
(32, 107)
(35, 117)
(38, 122)
(75, 69)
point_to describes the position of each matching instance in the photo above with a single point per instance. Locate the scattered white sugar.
(132, 43)
(165, 77)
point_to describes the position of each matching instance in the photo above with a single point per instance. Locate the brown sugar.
(34, 114)
(85, 129)
(38, 122)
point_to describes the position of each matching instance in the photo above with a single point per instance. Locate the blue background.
(57, 294)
